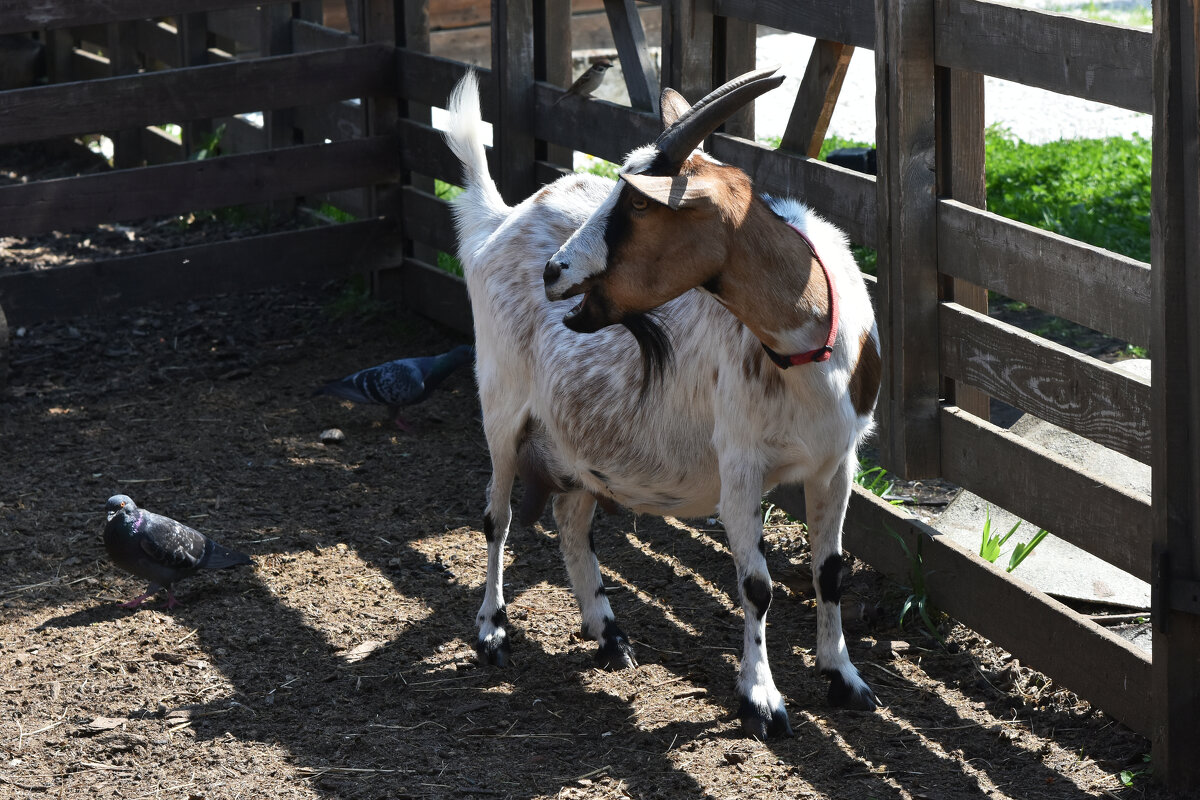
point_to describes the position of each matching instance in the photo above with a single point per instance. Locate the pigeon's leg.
(151, 590)
(573, 514)
(492, 643)
(399, 421)
(171, 601)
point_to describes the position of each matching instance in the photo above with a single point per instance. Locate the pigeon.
(588, 82)
(403, 382)
(160, 549)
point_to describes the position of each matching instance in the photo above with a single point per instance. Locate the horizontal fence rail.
(68, 203)
(1081, 394)
(21, 16)
(1093, 60)
(1094, 287)
(189, 93)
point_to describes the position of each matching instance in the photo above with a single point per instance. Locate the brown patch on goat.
(536, 472)
(757, 368)
(766, 275)
(864, 381)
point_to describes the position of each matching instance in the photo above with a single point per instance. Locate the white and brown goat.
(663, 389)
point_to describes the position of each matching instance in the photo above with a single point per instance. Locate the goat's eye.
(639, 203)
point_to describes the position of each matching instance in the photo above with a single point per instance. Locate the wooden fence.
(939, 251)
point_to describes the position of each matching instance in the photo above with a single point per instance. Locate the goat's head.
(662, 229)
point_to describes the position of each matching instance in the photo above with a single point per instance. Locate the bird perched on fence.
(160, 549)
(589, 81)
(403, 382)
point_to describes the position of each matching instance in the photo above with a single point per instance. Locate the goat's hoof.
(763, 723)
(853, 694)
(615, 653)
(494, 650)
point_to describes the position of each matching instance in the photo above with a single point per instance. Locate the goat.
(657, 391)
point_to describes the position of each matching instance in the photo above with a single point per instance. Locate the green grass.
(446, 262)
(1093, 190)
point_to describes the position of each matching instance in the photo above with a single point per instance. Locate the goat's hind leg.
(492, 643)
(573, 513)
(825, 503)
(762, 710)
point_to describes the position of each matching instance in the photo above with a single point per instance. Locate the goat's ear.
(672, 106)
(675, 192)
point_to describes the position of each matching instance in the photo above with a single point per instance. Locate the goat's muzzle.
(554, 270)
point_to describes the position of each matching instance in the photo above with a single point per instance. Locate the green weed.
(991, 544)
(918, 599)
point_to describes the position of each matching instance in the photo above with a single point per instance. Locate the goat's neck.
(773, 284)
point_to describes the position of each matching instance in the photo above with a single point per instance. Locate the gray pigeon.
(403, 382)
(160, 549)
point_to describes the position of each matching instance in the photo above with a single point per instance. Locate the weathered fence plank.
(1093, 60)
(21, 16)
(68, 203)
(1175, 403)
(848, 21)
(1084, 509)
(818, 94)
(195, 93)
(1085, 284)
(238, 265)
(636, 65)
(1094, 662)
(1054, 383)
(844, 197)
(907, 239)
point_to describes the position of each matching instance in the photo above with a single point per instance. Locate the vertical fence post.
(552, 64)
(735, 48)
(192, 30)
(512, 67)
(386, 21)
(123, 59)
(687, 33)
(907, 241)
(961, 175)
(1175, 392)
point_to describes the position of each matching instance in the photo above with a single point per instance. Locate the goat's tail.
(480, 209)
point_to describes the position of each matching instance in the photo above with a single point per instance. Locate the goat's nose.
(553, 270)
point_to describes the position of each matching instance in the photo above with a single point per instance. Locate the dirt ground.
(340, 665)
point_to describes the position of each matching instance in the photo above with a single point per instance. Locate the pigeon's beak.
(111, 514)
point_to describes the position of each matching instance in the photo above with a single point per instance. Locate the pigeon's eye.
(122, 505)
(639, 203)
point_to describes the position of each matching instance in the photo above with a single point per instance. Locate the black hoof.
(843, 695)
(762, 723)
(494, 651)
(616, 653)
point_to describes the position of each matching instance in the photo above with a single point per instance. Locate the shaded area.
(341, 665)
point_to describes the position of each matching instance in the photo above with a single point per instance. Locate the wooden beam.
(819, 90)
(1052, 382)
(512, 66)
(68, 203)
(21, 16)
(1085, 509)
(1089, 285)
(1175, 395)
(849, 21)
(734, 49)
(177, 95)
(687, 47)
(237, 265)
(636, 65)
(907, 241)
(961, 175)
(1093, 60)
(1077, 653)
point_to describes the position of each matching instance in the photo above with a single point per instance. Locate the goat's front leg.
(573, 514)
(492, 643)
(825, 503)
(761, 710)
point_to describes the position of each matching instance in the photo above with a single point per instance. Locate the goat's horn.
(678, 141)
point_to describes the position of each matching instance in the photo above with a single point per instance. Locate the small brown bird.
(589, 81)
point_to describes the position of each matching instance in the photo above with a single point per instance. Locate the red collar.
(823, 352)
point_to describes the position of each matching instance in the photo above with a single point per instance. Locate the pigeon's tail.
(349, 389)
(220, 557)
